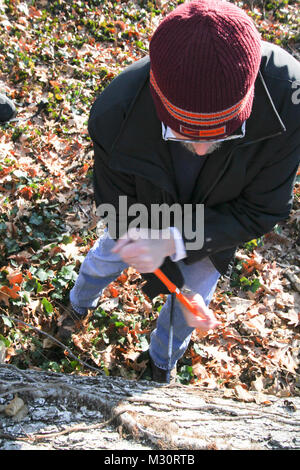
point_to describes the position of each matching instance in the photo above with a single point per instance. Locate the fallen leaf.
(258, 384)
(109, 304)
(114, 292)
(242, 394)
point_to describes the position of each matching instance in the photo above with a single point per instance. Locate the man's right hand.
(145, 249)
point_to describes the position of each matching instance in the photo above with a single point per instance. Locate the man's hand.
(145, 249)
(204, 324)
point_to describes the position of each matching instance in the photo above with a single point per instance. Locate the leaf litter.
(56, 57)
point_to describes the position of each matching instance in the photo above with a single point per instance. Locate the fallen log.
(75, 411)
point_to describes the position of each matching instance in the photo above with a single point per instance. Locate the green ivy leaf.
(47, 305)
(144, 345)
(67, 239)
(7, 321)
(185, 374)
(36, 219)
(42, 275)
(255, 285)
(4, 340)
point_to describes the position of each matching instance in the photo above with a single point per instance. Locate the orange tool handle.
(172, 288)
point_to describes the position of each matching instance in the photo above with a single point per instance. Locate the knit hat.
(204, 56)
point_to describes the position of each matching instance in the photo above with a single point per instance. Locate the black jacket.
(246, 186)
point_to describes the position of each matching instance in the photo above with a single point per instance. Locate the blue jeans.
(101, 267)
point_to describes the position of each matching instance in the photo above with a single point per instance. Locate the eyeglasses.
(167, 134)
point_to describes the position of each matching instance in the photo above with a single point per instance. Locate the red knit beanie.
(204, 56)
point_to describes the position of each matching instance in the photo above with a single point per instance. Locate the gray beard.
(190, 148)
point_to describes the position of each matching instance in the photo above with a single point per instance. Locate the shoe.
(161, 375)
(7, 109)
(69, 324)
(143, 360)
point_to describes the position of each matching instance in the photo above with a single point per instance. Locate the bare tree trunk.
(81, 412)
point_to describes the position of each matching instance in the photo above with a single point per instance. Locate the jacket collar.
(264, 121)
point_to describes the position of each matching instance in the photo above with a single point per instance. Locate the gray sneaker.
(7, 109)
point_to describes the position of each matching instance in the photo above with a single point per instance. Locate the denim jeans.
(101, 267)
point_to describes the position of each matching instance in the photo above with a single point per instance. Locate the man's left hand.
(145, 249)
(206, 321)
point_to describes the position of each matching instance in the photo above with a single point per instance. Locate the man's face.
(201, 149)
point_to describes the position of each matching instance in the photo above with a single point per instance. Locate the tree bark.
(83, 412)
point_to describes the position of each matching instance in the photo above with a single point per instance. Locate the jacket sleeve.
(109, 185)
(265, 201)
